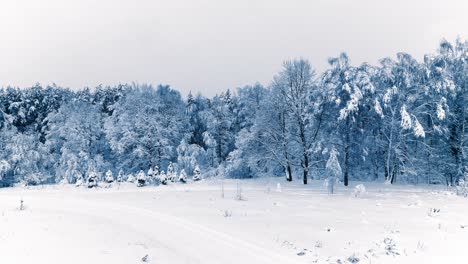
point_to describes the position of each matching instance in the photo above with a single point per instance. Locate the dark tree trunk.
(306, 168)
(346, 161)
(288, 173)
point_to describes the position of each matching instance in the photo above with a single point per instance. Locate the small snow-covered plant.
(92, 179)
(462, 188)
(21, 207)
(222, 189)
(163, 178)
(171, 175)
(183, 176)
(79, 182)
(390, 247)
(131, 178)
(109, 176)
(33, 179)
(433, 212)
(150, 172)
(359, 190)
(120, 176)
(63, 181)
(227, 213)
(196, 173)
(278, 187)
(141, 179)
(239, 195)
(333, 171)
(4, 167)
(353, 259)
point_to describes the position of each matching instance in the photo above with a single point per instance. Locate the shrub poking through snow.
(359, 190)
(196, 174)
(239, 195)
(433, 212)
(109, 177)
(150, 172)
(141, 179)
(163, 178)
(227, 213)
(333, 171)
(21, 205)
(171, 174)
(390, 247)
(353, 259)
(79, 182)
(183, 176)
(92, 180)
(120, 176)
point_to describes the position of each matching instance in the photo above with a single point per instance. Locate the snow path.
(167, 238)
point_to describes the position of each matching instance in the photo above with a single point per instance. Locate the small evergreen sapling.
(92, 179)
(120, 176)
(196, 174)
(163, 178)
(131, 178)
(141, 179)
(109, 177)
(183, 176)
(333, 171)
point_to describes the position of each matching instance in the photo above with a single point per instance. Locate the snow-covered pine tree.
(183, 176)
(333, 171)
(196, 174)
(141, 179)
(92, 180)
(109, 176)
(163, 178)
(120, 176)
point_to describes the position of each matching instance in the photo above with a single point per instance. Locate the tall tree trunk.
(346, 160)
(287, 168)
(305, 155)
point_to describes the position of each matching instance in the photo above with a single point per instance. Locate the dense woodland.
(401, 121)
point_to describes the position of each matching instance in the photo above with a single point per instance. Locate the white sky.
(208, 45)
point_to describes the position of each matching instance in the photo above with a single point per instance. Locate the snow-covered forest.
(403, 120)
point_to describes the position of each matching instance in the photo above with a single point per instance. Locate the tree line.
(402, 120)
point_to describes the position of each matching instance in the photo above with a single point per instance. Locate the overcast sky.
(208, 45)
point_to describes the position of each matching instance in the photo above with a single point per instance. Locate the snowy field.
(194, 223)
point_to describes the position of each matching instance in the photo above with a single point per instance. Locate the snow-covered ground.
(193, 223)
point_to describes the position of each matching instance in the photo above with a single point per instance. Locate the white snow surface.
(193, 223)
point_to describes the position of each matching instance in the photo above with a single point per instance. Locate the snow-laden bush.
(359, 190)
(183, 176)
(109, 177)
(131, 178)
(150, 172)
(141, 179)
(64, 181)
(333, 171)
(163, 178)
(33, 179)
(462, 188)
(120, 176)
(171, 172)
(92, 180)
(4, 167)
(79, 182)
(196, 173)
